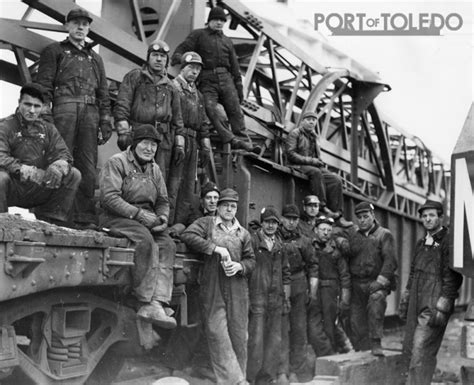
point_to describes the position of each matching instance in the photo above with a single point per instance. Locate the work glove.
(178, 151)
(205, 152)
(123, 141)
(345, 302)
(313, 290)
(31, 173)
(317, 162)
(160, 225)
(240, 92)
(52, 177)
(442, 312)
(379, 284)
(46, 113)
(146, 218)
(176, 230)
(403, 306)
(122, 127)
(105, 131)
(286, 299)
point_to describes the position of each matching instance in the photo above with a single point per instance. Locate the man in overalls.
(228, 261)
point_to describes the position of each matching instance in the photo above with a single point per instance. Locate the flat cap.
(269, 212)
(33, 89)
(291, 210)
(208, 187)
(363, 206)
(228, 195)
(323, 219)
(430, 204)
(77, 13)
(309, 114)
(309, 199)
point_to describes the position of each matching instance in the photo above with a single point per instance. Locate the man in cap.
(135, 205)
(269, 288)
(428, 300)
(147, 96)
(35, 163)
(303, 153)
(372, 264)
(196, 123)
(228, 262)
(334, 283)
(303, 267)
(220, 80)
(73, 76)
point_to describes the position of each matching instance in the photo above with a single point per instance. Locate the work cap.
(217, 13)
(269, 212)
(430, 204)
(309, 199)
(207, 188)
(228, 195)
(145, 131)
(291, 210)
(323, 219)
(363, 206)
(33, 89)
(77, 13)
(309, 114)
(190, 58)
(159, 46)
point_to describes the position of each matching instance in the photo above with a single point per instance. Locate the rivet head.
(14, 287)
(33, 283)
(68, 274)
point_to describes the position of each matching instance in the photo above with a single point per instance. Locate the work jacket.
(300, 252)
(69, 74)
(332, 264)
(301, 146)
(35, 144)
(125, 187)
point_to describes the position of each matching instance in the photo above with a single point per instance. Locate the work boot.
(344, 223)
(282, 379)
(377, 348)
(154, 313)
(238, 144)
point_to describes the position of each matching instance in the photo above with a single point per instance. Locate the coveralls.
(301, 147)
(430, 277)
(225, 300)
(35, 144)
(183, 177)
(333, 275)
(144, 98)
(126, 187)
(371, 254)
(220, 80)
(303, 265)
(75, 82)
(272, 271)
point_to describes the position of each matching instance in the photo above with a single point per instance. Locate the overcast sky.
(431, 76)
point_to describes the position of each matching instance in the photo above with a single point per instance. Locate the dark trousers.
(164, 155)
(220, 88)
(78, 124)
(48, 203)
(294, 343)
(367, 314)
(322, 317)
(154, 258)
(421, 346)
(264, 344)
(326, 185)
(181, 181)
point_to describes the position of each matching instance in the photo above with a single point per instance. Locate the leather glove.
(146, 218)
(123, 141)
(379, 284)
(122, 127)
(317, 162)
(403, 306)
(176, 230)
(46, 113)
(286, 299)
(345, 302)
(441, 314)
(313, 289)
(205, 152)
(53, 177)
(31, 173)
(160, 225)
(105, 131)
(178, 151)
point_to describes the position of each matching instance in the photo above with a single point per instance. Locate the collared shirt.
(79, 46)
(228, 229)
(269, 240)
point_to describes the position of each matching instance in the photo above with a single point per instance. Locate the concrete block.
(362, 368)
